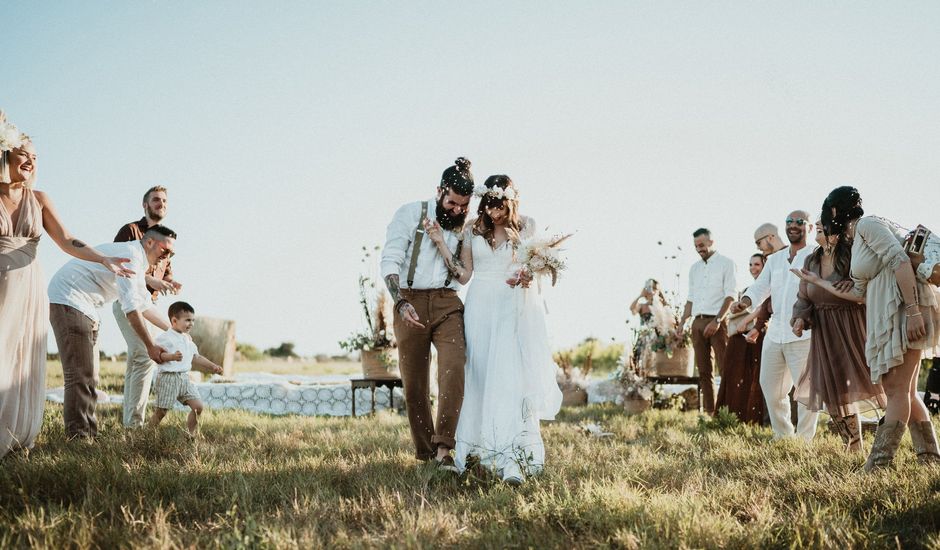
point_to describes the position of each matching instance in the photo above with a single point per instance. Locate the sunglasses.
(760, 240)
(797, 221)
(167, 253)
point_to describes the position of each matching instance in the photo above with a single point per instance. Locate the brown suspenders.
(416, 249)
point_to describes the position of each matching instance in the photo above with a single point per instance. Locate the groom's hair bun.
(458, 177)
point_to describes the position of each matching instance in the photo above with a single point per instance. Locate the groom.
(428, 311)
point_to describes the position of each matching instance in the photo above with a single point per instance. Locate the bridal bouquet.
(540, 255)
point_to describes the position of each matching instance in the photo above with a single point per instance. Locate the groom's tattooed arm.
(394, 288)
(454, 265)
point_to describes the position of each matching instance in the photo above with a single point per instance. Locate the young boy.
(173, 383)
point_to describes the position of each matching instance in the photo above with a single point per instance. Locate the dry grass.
(664, 480)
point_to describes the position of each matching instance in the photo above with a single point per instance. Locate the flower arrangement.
(660, 333)
(10, 136)
(377, 334)
(635, 385)
(540, 255)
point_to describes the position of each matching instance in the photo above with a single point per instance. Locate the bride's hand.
(433, 231)
(807, 276)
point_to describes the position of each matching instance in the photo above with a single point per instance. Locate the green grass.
(664, 480)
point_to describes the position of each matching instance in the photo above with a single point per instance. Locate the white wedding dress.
(510, 375)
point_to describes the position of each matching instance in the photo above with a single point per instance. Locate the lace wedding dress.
(510, 375)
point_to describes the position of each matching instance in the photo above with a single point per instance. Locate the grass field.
(665, 479)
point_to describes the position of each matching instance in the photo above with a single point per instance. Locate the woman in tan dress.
(902, 321)
(836, 376)
(24, 307)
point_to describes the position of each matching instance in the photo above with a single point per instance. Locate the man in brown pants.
(428, 310)
(711, 292)
(76, 292)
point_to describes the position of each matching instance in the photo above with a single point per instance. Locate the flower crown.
(496, 192)
(10, 136)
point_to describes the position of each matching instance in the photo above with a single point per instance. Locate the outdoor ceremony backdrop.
(289, 132)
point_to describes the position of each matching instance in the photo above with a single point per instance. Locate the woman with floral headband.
(510, 375)
(902, 321)
(24, 307)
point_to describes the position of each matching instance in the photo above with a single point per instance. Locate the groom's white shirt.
(86, 286)
(399, 240)
(777, 282)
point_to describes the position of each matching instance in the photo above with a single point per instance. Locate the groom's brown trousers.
(441, 313)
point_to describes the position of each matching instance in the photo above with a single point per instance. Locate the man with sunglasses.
(159, 277)
(783, 356)
(76, 292)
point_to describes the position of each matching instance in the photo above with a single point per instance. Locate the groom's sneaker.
(446, 464)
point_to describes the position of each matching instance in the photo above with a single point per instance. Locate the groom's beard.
(448, 221)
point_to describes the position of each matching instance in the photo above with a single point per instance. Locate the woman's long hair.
(841, 256)
(484, 223)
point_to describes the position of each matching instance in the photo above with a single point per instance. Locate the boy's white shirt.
(172, 342)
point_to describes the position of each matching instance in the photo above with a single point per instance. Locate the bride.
(510, 376)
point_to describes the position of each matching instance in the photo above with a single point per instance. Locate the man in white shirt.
(76, 292)
(711, 291)
(783, 356)
(427, 310)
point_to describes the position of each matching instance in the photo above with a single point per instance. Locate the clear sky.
(289, 132)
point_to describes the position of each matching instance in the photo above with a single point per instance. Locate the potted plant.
(572, 380)
(638, 391)
(375, 343)
(664, 351)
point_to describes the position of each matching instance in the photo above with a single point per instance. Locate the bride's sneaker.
(512, 475)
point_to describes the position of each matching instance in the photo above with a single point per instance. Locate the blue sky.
(288, 132)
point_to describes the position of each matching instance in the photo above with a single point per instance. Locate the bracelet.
(909, 306)
(918, 314)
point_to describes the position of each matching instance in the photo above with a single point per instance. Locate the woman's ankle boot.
(924, 438)
(887, 440)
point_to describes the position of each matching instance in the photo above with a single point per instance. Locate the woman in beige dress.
(902, 321)
(836, 377)
(24, 307)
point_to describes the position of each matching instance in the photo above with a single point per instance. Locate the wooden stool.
(372, 383)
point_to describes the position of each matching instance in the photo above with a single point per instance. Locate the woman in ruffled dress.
(510, 375)
(836, 377)
(24, 305)
(902, 321)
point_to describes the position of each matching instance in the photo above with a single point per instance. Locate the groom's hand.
(409, 315)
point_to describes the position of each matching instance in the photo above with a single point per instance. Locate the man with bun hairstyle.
(428, 311)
